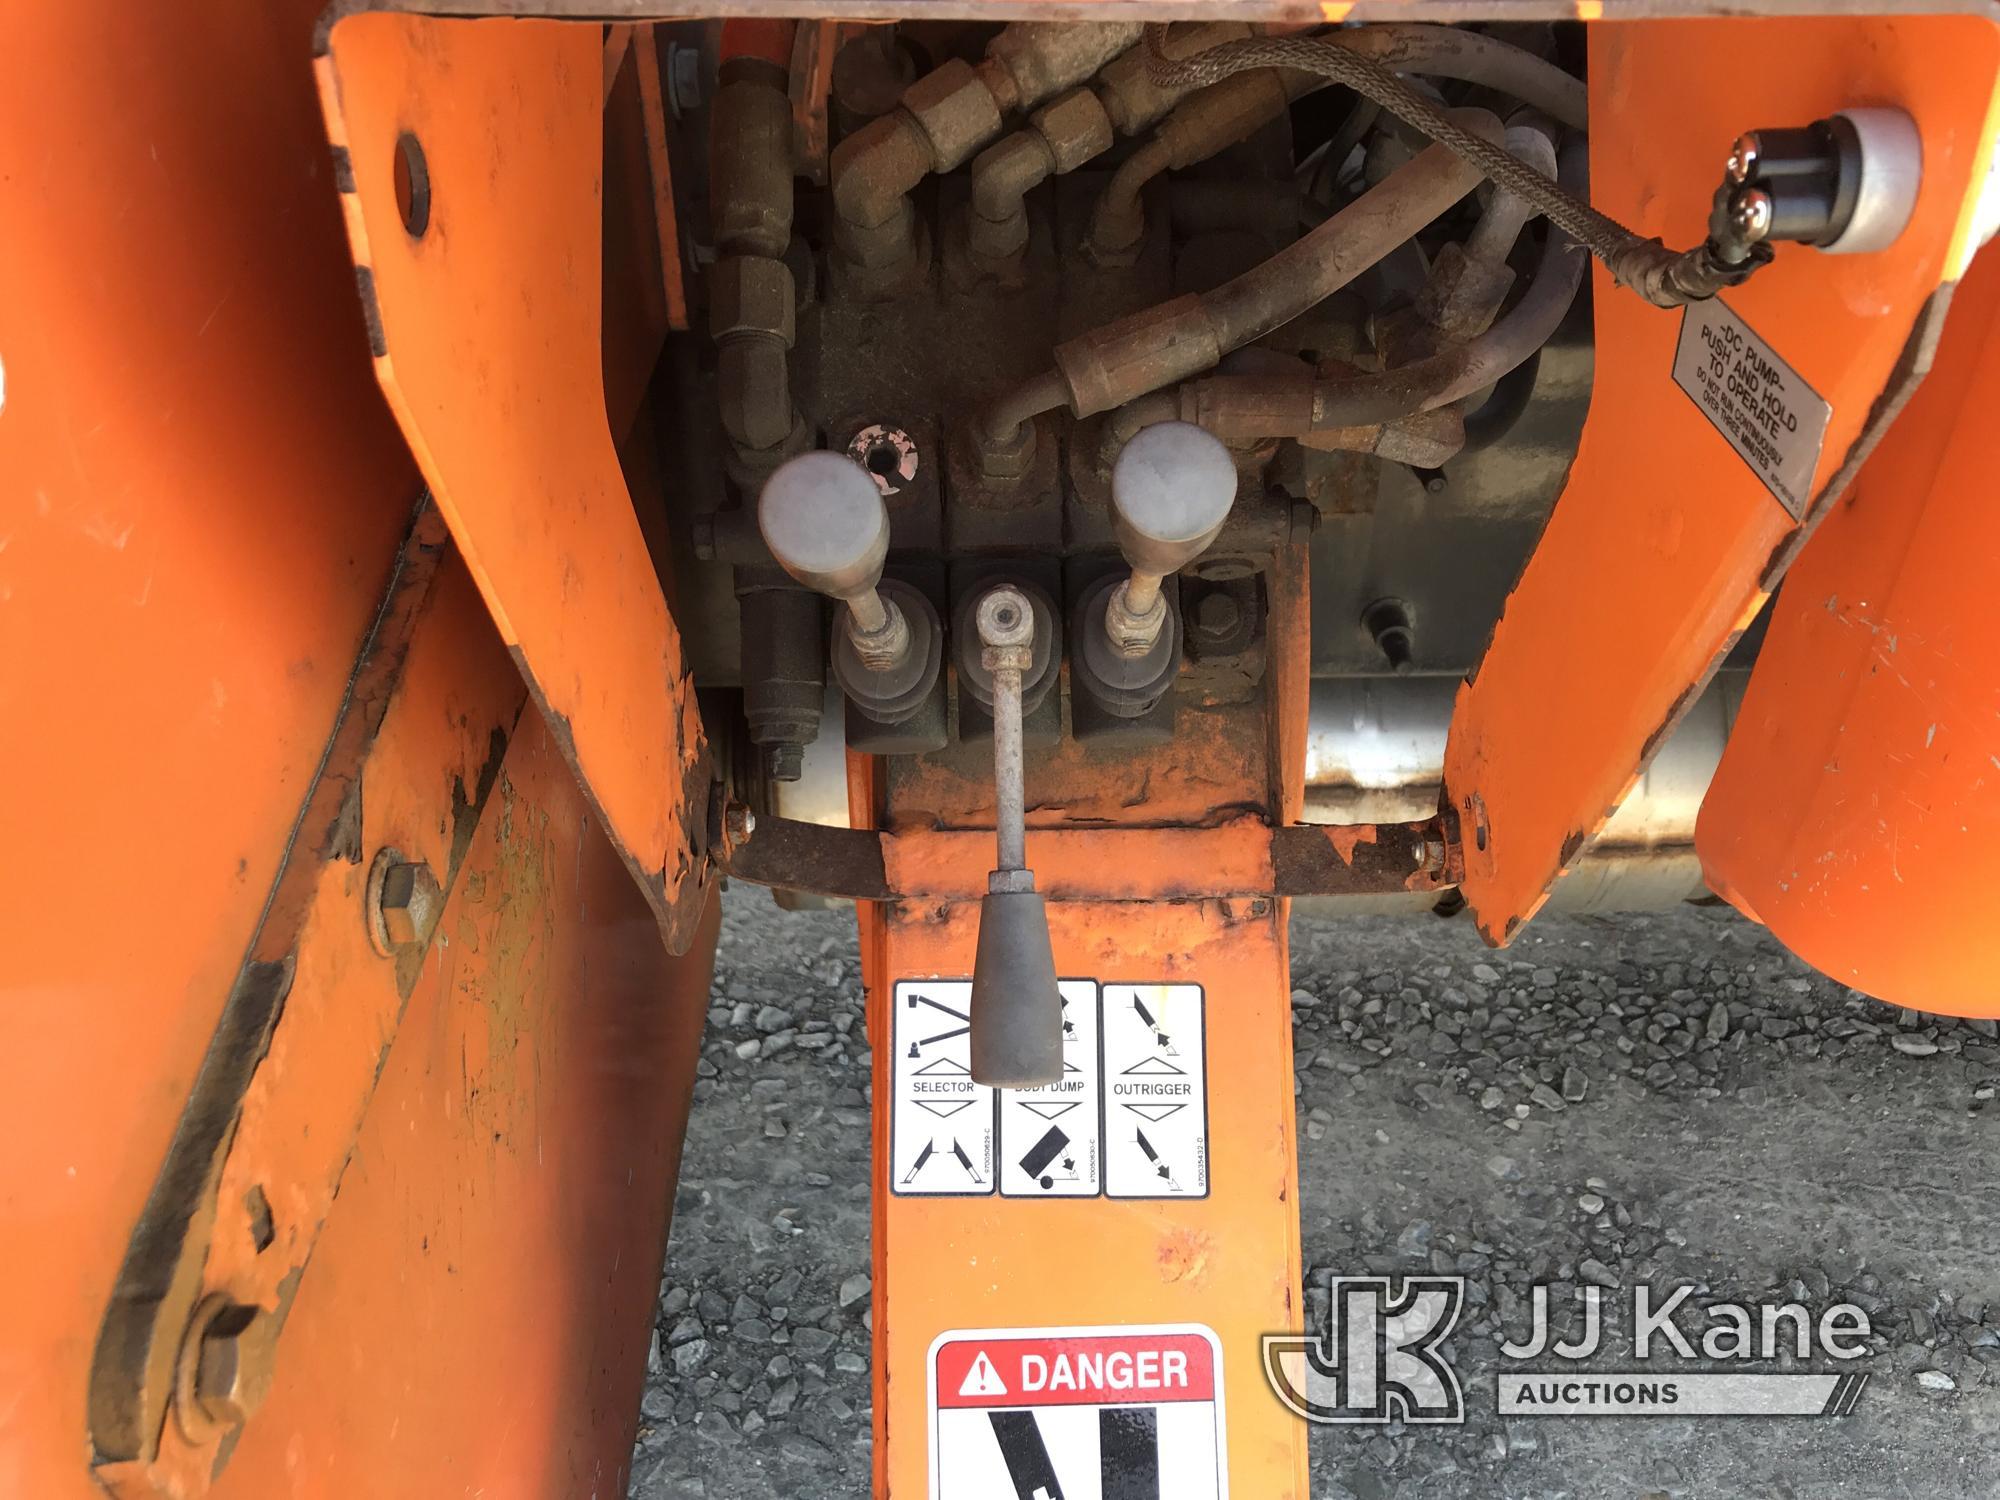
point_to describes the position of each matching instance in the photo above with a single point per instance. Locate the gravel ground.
(1662, 1099)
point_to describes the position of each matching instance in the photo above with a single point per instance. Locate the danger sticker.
(1771, 417)
(1042, 1413)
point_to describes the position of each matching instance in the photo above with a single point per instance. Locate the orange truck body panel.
(1859, 797)
(202, 500)
(1655, 556)
(202, 496)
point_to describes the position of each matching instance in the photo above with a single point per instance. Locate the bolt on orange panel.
(1857, 806)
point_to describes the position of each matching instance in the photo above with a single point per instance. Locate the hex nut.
(751, 294)
(1218, 615)
(956, 112)
(225, 1366)
(410, 903)
(1076, 128)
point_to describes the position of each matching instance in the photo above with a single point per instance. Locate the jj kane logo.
(1380, 1357)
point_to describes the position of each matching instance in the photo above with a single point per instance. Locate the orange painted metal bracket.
(1858, 803)
(1664, 543)
(263, 1141)
(469, 155)
(1219, 1251)
(1178, 1216)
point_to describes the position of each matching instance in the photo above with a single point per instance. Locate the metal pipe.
(1202, 124)
(1076, 129)
(1375, 749)
(1318, 264)
(1024, 403)
(1007, 632)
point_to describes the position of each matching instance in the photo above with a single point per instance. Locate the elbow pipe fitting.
(946, 116)
(1202, 124)
(1077, 128)
(1060, 138)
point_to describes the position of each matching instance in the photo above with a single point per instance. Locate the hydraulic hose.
(1432, 51)
(1665, 278)
(1164, 345)
(1362, 399)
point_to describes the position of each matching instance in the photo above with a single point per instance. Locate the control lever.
(1171, 490)
(823, 519)
(1172, 487)
(1016, 1008)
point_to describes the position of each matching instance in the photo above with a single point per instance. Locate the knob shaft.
(1171, 490)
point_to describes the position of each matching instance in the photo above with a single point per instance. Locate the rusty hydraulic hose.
(1219, 116)
(1164, 345)
(1237, 407)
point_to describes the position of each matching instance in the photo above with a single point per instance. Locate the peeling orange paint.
(1184, 1255)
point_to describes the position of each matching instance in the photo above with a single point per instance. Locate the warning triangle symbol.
(982, 1379)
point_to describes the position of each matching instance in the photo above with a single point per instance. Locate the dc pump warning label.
(1771, 417)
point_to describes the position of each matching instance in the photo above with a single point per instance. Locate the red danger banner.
(1098, 1369)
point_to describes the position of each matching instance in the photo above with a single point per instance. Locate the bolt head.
(1750, 214)
(738, 822)
(1218, 615)
(785, 761)
(411, 900)
(1743, 156)
(1005, 619)
(226, 1365)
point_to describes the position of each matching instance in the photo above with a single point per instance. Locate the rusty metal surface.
(476, 1316)
(1856, 806)
(1244, 858)
(1304, 12)
(154, 1295)
(486, 328)
(251, 1176)
(1645, 575)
